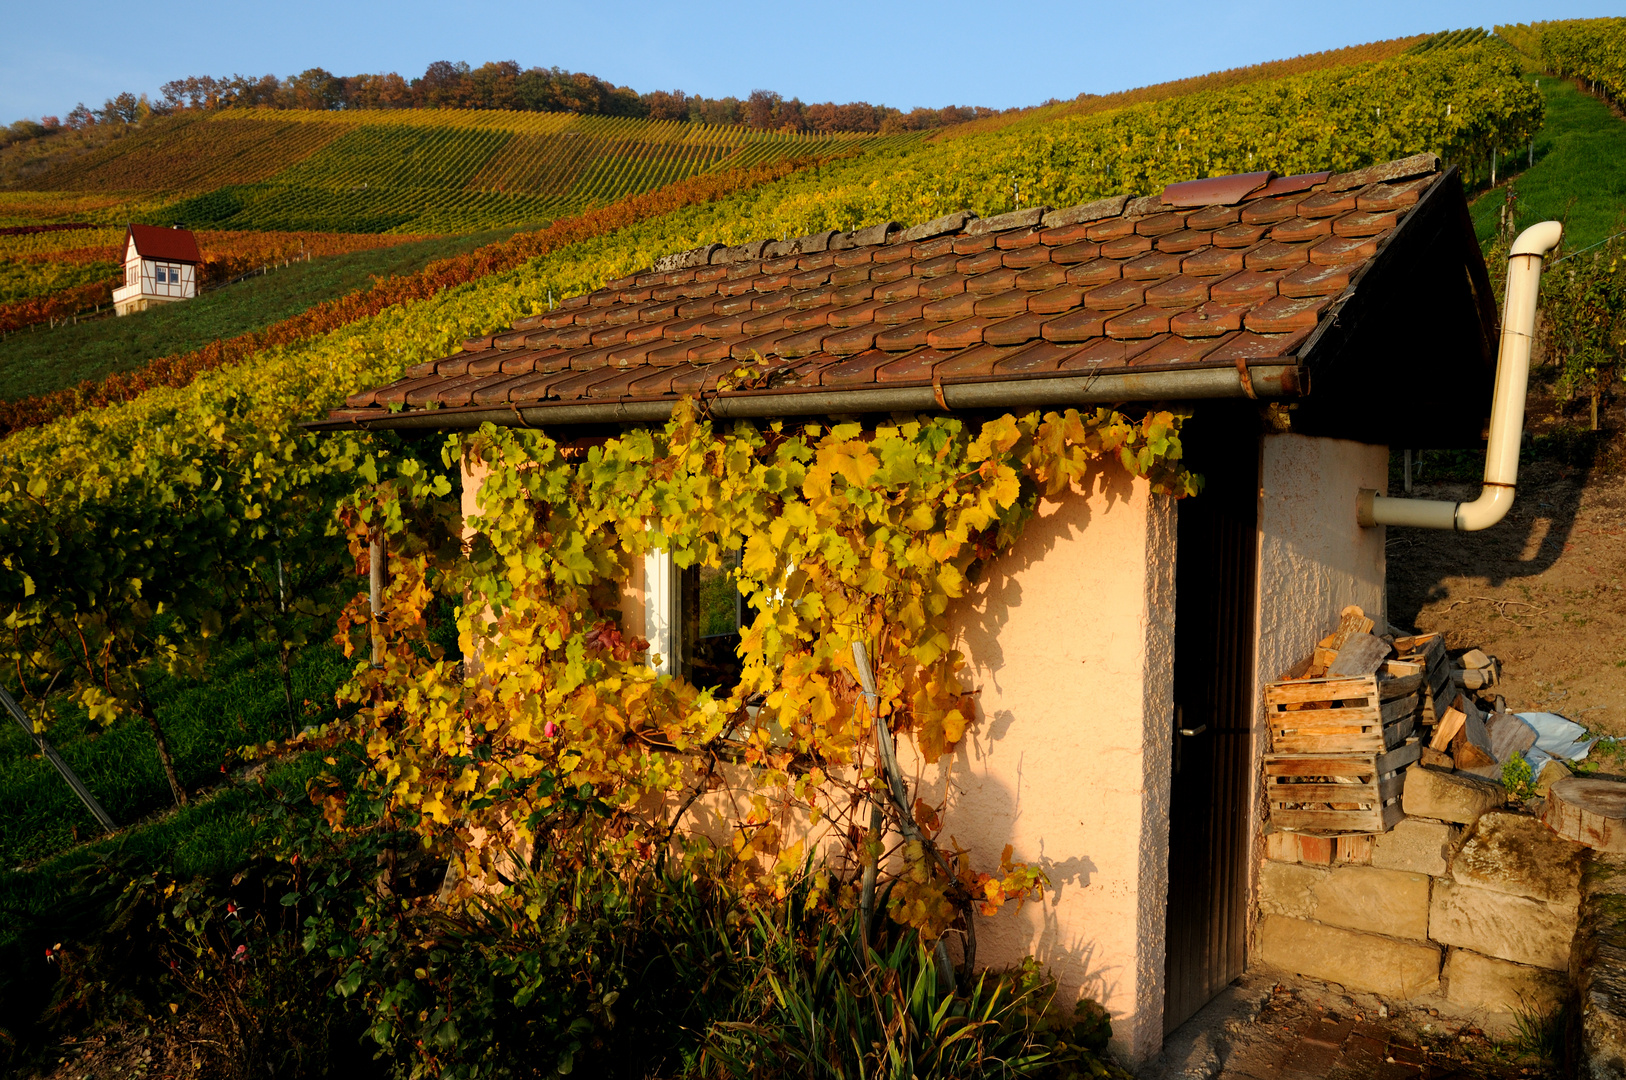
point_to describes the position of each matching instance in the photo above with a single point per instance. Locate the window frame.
(667, 615)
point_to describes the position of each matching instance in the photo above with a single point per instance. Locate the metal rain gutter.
(1262, 382)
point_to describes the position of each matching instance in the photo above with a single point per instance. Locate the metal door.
(1215, 573)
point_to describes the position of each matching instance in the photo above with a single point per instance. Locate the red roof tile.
(1208, 274)
(176, 245)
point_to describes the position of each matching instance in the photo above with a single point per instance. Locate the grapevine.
(847, 536)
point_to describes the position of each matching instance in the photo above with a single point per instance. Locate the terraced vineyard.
(413, 171)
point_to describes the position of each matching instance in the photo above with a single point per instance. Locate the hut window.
(712, 613)
(692, 619)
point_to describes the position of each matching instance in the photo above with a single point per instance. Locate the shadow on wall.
(997, 591)
(1070, 955)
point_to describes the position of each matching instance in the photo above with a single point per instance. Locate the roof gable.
(175, 245)
(1227, 287)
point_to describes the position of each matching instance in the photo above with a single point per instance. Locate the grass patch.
(213, 835)
(240, 703)
(1579, 175)
(45, 360)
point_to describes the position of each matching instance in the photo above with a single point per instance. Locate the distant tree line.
(125, 109)
(497, 85)
(505, 85)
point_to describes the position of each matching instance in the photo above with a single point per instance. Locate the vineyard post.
(63, 769)
(375, 590)
(893, 778)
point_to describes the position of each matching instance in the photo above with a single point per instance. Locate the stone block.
(1416, 845)
(1598, 968)
(1354, 897)
(1397, 969)
(1497, 924)
(1516, 854)
(1289, 889)
(1483, 982)
(1391, 902)
(1449, 796)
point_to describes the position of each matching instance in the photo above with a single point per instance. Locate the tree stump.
(1590, 812)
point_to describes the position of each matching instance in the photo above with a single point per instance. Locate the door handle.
(1198, 730)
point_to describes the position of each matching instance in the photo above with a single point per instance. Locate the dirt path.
(1273, 1026)
(1544, 591)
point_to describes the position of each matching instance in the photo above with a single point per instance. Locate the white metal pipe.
(1507, 407)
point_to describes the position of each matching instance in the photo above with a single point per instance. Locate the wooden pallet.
(1342, 715)
(1338, 794)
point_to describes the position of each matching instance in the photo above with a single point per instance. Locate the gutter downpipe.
(1507, 408)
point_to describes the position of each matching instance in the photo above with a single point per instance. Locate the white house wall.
(1314, 559)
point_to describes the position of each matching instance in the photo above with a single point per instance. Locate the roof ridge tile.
(939, 226)
(1015, 219)
(1111, 206)
(1403, 169)
(685, 260)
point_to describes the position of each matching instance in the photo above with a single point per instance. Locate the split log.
(1472, 745)
(1362, 654)
(1509, 735)
(1450, 724)
(1588, 811)
(1437, 759)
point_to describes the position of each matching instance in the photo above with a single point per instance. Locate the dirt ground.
(1272, 1026)
(1544, 591)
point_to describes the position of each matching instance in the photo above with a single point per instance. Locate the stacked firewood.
(1341, 727)
(1364, 706)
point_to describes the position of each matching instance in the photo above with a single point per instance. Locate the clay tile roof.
(1234, 286)
(175, 245)
(1215, 190)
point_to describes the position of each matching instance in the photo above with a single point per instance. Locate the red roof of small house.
(1360, 298)
(175, 245)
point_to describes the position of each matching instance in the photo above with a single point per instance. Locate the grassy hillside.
(241, 703)
(423, 171)
(1579, 175)
(45, 360)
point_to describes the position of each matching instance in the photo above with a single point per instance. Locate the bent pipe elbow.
(1495, 500)
(1507, 407)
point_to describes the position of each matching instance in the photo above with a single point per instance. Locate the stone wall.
(1464, 901)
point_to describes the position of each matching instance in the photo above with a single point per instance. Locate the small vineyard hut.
(160, 267)
(1306, 323)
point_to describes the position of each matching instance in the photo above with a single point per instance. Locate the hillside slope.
(37, 363)
(1579, 175)
(411, 171)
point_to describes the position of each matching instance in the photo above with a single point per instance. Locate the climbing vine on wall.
(555, 719)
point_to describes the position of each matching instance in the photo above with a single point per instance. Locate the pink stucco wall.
(1070, 638)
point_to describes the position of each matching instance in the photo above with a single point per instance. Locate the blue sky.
(902, 54)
